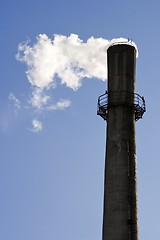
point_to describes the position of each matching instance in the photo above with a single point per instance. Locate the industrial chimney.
(120, 106)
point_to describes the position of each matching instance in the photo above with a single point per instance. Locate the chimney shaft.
(120, 190)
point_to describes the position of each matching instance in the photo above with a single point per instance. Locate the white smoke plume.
(68, 58)
(62, 61)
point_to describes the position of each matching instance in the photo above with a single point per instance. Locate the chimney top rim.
(127, 43)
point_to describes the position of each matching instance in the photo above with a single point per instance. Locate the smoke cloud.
(68, 58)
(62, 61)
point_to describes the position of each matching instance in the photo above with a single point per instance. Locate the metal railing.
(118, 99)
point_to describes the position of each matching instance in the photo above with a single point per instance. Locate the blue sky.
(51, 171)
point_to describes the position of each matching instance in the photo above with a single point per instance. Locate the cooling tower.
(121, 107)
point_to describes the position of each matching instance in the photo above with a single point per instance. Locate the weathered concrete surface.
(120, 199)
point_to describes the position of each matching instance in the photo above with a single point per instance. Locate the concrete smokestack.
(120, 107)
